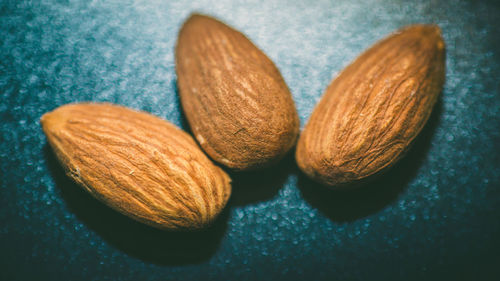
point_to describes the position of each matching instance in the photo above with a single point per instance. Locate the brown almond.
(233, 96)
(371, 113)
(138, 164)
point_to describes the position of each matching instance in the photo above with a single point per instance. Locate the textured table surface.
(435, 216)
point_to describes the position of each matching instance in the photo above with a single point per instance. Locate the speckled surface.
(435, 216)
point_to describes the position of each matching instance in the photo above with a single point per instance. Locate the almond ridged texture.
(371, 113)
(233, 96)
(138, 164)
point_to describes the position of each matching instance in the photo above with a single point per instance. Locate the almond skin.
(233, 96)
(138, 164)
(371, 113)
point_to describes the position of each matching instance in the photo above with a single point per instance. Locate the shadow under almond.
(131, 237)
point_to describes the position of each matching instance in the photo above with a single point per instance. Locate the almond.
(371, 113)
(233, 96)
(138, 164)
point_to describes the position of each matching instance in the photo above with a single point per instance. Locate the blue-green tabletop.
(434, 216)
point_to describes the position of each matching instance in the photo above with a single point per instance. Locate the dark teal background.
(434, 216)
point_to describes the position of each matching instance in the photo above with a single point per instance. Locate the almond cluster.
(243, 117)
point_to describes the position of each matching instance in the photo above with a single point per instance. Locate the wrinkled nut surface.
(371, 113)
(138, 164)
(233, 96)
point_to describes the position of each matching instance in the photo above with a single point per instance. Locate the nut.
(371, 113)
(138, 164)
(233, 96)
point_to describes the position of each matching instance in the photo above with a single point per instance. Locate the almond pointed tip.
(433, 29)
(425, 29)
(195, 16)
(44, 118)
(56, 118)
(49, 121)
